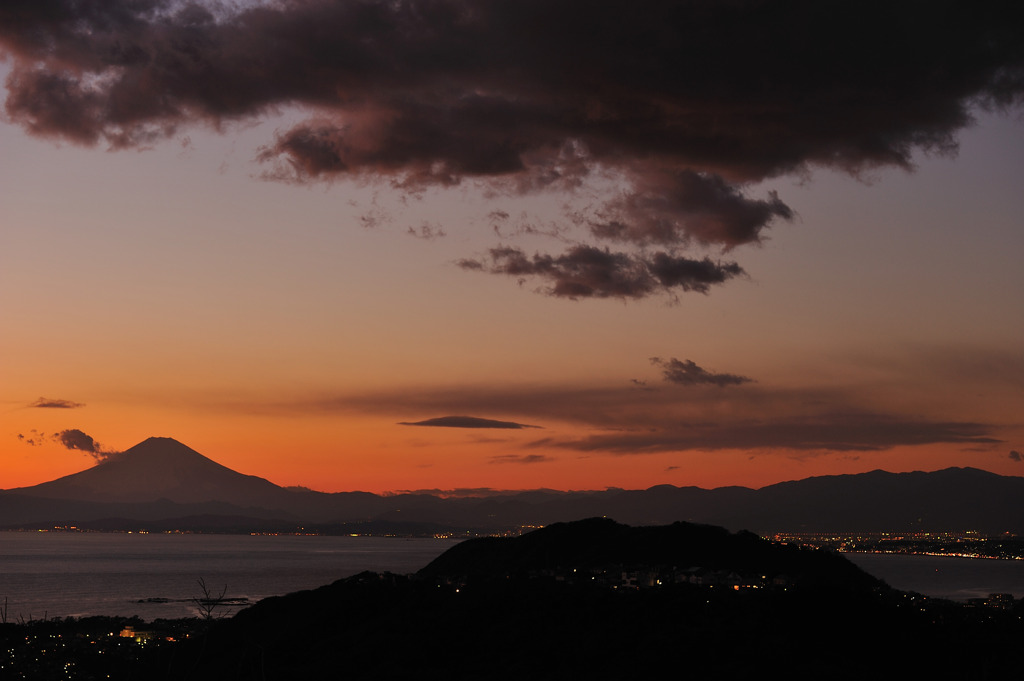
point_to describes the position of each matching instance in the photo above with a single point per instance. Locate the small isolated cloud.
(1015, 455)
(47, 403)
(520, 458)
(77, 440)
(687, 372)
(497, 219)
(467, 422)
(590, 272)
(33, 439)
(427, 232)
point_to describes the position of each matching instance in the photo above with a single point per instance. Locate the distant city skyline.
(513, 245)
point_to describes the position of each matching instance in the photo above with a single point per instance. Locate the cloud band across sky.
(701, 417)
(686, 106)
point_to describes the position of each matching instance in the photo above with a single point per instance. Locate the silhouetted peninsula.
(586, 546)
(505, 609)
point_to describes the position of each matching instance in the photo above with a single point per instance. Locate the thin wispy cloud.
(461, 492)
(47, 403)
(684, 109)
(427, 232)
(521, 458)
(855, 433)
(686, 372)
(623, 420)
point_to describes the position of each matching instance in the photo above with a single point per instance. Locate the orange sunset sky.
(288, 248)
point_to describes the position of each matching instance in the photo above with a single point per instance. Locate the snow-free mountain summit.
(160, 468)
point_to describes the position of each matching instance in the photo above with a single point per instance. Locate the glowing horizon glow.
(287, 329)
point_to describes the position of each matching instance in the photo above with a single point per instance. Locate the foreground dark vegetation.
(581, 600)
(85, 648)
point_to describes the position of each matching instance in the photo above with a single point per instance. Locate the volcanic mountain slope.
(162, 468)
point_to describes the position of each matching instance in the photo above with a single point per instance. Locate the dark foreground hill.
(577, 550)
(505, 610)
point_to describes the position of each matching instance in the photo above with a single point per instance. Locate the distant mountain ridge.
(163, 480)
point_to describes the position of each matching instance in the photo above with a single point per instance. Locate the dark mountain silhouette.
(159, 468)
(497, 621)
(163, 480)
(603, 543)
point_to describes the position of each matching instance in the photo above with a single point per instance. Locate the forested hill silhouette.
(518, 617)
(602, 543)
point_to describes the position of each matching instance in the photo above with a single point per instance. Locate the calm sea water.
(44, 574)
(945, 576)
(71, 574)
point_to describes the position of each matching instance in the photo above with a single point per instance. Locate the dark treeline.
(393, 627)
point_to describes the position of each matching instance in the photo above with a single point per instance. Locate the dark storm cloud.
(590, 272)
(46, 403)
(1015, 455)
(688, 104)
(467, 422)
(686, 372)
(479, 87)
